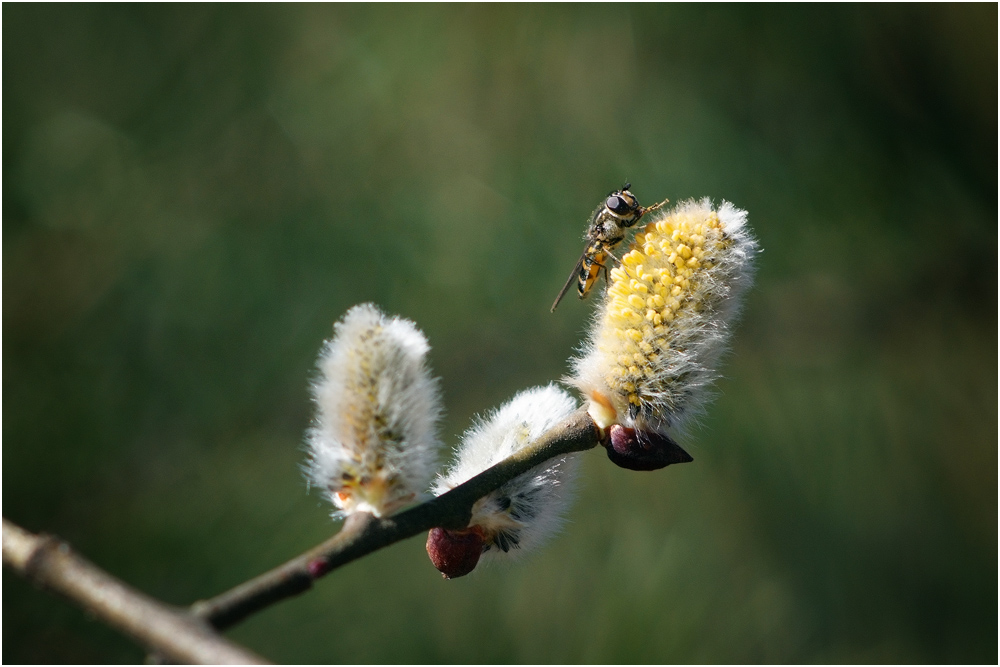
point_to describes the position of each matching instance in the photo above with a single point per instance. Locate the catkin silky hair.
(524, 512)
(373, 446)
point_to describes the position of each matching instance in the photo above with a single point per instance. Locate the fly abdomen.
(593, 262)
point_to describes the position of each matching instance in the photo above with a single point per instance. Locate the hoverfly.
(608, 226)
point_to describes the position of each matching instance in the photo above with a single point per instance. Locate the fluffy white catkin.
(373, 446)
(525, 511)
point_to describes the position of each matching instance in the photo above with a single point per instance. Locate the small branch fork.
(189, 635)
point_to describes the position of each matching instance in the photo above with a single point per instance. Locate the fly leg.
(604, 266)
(652, 208)
(620, 264)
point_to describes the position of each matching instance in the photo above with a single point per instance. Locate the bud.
(657, 338)
(523, 512)
(455, 553)
(643, 450)
(373, 446)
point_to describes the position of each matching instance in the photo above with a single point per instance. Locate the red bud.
(455, 552)
(318, 567)
(644, 450)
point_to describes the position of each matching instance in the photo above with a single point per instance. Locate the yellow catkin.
(663, 324)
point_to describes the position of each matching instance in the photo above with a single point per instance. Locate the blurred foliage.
(193, 194)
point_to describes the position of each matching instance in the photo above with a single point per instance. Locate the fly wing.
(569, 281)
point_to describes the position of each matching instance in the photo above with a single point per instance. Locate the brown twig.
(172, 632)
(187, 636)
(363, 533)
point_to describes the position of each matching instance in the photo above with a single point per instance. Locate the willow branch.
(363, 533)
(172, 632)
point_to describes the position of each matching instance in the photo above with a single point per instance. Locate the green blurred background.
(193, 194)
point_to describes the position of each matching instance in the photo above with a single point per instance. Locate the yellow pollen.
(655, 292)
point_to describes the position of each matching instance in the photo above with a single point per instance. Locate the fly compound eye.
(617, 204)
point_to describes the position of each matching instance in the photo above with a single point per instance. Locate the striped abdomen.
(590, 267)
